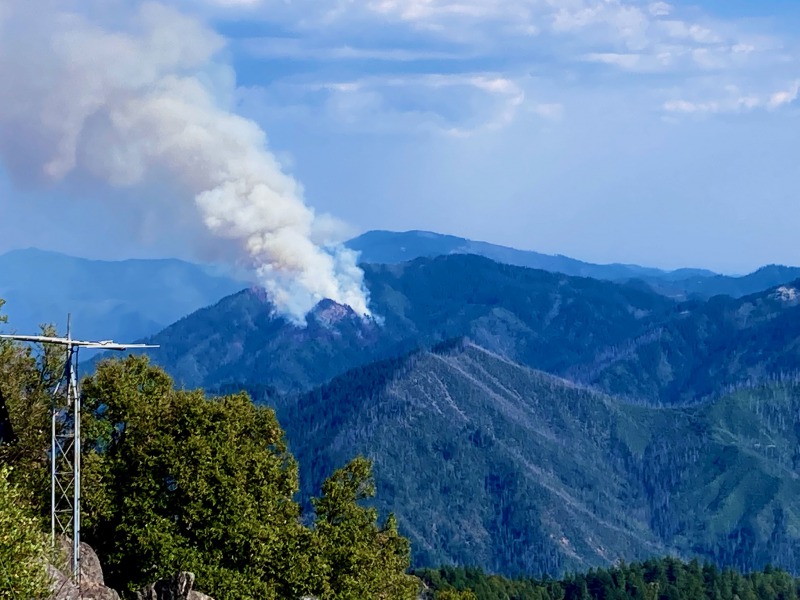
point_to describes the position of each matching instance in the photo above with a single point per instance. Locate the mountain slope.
(703, 349)
(623, 339)
(392, 247)
(489, 463)
(708, 286)
(542, 319)
(125, 300)
(395, 247)
(480, 459)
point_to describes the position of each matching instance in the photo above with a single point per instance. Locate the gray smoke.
(133, 94)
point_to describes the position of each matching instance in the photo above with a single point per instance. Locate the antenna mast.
(65, 440)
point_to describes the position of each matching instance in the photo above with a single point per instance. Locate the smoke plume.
(133, 94)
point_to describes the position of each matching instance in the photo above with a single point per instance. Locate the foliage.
(655, 579)
(541, 319)
(23, 548)
(187, 483)
(361, 559)
(27, 379)
(488, 463)
(184, 482)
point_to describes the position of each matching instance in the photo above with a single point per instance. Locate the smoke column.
(136, 93)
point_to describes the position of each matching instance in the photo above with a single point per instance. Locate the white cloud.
(630, 62)
(690, 31)
(299, 48)
(659, 9)
(457, 104)
(551, 110)
(783, 97)
(733, 100)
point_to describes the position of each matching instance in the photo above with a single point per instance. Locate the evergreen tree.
(23, 548)
(362, 559)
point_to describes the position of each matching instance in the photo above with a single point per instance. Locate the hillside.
(541, 319)
(492, 464)
(704, 349)
(708, 286)
(123, 300)
(395, 247)
(623, 339)
(392, 247)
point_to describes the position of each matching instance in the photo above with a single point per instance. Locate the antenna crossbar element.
(65, 440)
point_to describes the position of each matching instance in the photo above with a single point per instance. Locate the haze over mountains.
(521, 420)
(124, 300)
(624, 339)
(136, 298)
(395, 247)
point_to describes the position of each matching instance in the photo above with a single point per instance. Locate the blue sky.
(660, 133)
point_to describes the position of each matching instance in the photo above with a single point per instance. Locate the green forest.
(180, 480)
(176, 481)
(656, 579)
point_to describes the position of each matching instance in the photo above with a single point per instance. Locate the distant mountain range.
(489, 463)
(124, 300)
(546, 320)
(391, 247)
(394, 247)
(136, 298)
(624, 339)
(523, 420)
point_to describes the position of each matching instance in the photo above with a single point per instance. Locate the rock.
(92, 581)
(91, 571)
(97, 591)
(178, 587)
(62, 588)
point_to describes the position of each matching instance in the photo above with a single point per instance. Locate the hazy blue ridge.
(624, 339)
(124, 300)
(546, 320)
(396, 247)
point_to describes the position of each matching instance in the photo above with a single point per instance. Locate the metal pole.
(53, 459)
(68, 439)
(76, 454)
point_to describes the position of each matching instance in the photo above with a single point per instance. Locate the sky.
(659, 133)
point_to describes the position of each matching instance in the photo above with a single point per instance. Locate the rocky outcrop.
(92, 582)
(178, 587)
(93, 585)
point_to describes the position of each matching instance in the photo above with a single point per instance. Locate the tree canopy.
(175, 480)
(23, 548)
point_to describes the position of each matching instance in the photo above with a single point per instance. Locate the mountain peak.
(329, 313)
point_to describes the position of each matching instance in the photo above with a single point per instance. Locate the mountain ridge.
(388, 247)
(125, 300)
(490, 463)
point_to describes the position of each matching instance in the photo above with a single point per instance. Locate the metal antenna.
(65, 440)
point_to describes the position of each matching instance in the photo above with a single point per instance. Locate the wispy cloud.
(734, 100)
(407, 104)
(300, 48)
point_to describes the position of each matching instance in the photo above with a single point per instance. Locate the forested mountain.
(394, 247)
(489, 463)
(620, 338)
(546, 320)
(391, 247)
(703, 349)
(653, 579)
(125, 300)
(705, 287)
